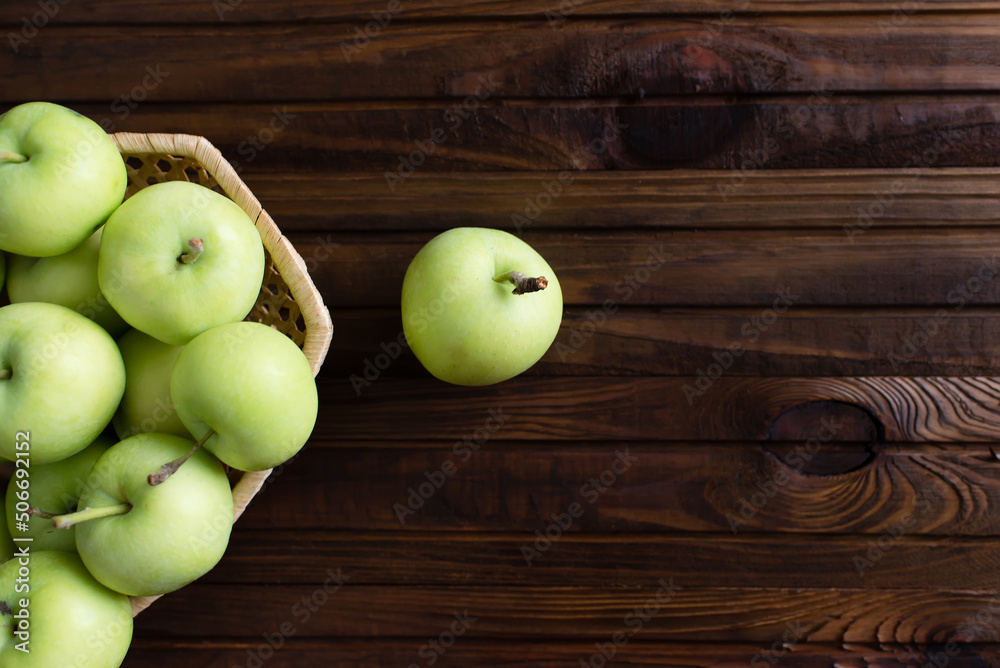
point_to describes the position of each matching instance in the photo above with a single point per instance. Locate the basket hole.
(192, 174)
(300, 323)
(164, 165)
(284, 313)
(272, 288)
(152, 180)
(133, 162)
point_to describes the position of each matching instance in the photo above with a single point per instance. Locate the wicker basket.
(288, 300)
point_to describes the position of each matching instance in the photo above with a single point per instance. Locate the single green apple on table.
(69, 280)
(178, 259)
(247, 391)
(461, 317)
(61, 379)
(55, 488)
(142, 540)
(61, 176)
(65, 616)
(146, 405)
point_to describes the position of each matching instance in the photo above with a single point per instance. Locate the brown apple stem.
(195, 249)
(522, 284)
(164, 472)
(4, 373)
(7, 156)
(37, 512)
(87, 514)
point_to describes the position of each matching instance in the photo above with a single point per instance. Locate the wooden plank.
(499, 485)
(404, 652)
(920, 409)
(929, 52)
(748, 135)
(772, 269)
(700, 199)
(691, 614)
(612, 560)
(677, 341)
(13, 12)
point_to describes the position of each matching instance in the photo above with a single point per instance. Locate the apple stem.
(195, 249)
(87, 514)
(522, 284)
(37, 512)
(164, 472)
(7, 156)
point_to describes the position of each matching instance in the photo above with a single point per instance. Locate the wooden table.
(764, 435)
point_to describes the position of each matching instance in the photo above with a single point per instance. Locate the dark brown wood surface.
(828, 497)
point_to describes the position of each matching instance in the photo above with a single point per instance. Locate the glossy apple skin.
(69, 280)
(74, 178)
(175, 532)
(54, 488)
(140, 274)
(464, 327)
(254, 387)
(74, 620)
(146, 405)
(67, 378)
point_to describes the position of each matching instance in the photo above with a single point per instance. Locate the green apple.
(61, 616)
(250, 391)
(56, 489)
(3, 268)
(69, 280)
(146, 405)
(61, 379)
(144, 540)
(6, 544)
(178, 259)
(461, 317)
(61, 176)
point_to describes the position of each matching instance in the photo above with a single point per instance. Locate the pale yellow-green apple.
(61, 379)
(61, 616)
(55, 489)
(61, 176)
(475, 307)
(178, 259)
(250, 391)
(146, 405)
(6, 543)
(143, 540)
(69, 280)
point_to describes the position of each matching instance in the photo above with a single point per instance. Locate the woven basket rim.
(287, 261)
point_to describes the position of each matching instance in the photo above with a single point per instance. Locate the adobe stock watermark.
(794, 633)
(363, 35)
(32, 25)
(255, 144)
(930, 327)
(751, 330)
(301, 612)
(462, 451)
(590, 491)
(755, 159)
(884, 201)
(584, 158)
(767, 490)
(455, 118)
(634, 622)
(625, 289)
(435, 648)
(878, 547)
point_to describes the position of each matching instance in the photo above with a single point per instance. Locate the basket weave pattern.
(288, 299)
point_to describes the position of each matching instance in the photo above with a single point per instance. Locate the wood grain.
(693, 613)
(699, 199)
(919, 409)
(261, 11)
(403, 652)
(500, 485)
(678, 341)
(947, 269)
(445, 559)
(513, 59)
(708, 132)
